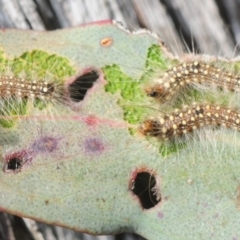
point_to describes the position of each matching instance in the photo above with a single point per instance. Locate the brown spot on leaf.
(106, 42)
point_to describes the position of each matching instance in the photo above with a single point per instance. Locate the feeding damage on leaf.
(118, 135)
(79, 86)
(40, 80)
(33, 79)
(14, 162)
(172, 88)
(145, 185)
(43, 82)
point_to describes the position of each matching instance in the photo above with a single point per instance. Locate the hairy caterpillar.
(32, 81)
(17, 92)
(189, 118)
(24, 88)
(175, 79)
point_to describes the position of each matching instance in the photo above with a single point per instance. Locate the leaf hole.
(144, 186)
(14, 164)
(79, 88)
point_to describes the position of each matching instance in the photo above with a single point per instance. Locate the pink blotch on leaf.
(160, 215)
(94, 145)
(91, 120)
(44, 144)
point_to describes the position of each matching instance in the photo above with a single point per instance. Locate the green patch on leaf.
(156, 63)
(11, 111)
(157, 59)
(166, 148)
(134, 101)
(42, 65)
(131, 90)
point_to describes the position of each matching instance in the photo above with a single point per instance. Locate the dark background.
(200, 26)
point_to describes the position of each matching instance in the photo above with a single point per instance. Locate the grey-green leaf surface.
(80, 159)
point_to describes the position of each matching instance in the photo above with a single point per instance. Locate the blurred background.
(206, 26)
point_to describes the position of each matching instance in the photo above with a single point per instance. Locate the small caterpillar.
(22, 88)
(16, 93)
(189, 118)
(191, 73)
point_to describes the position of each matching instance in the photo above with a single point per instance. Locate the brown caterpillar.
(189, 118)
(24, 88)
(191, 73)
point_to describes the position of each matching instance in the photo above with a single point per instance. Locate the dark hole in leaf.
(144, 186)
(14, 163)
(78, 89)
